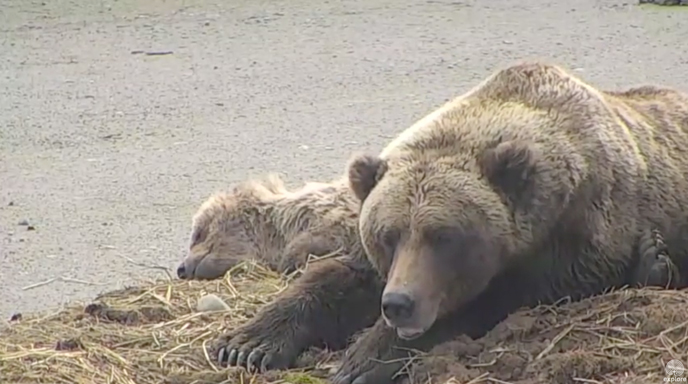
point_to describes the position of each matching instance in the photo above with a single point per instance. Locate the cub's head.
(440, 228)
(228, 228)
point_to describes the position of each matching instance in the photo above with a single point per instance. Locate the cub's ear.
(510, 166)
(364, 172)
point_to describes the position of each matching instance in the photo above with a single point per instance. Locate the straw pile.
(152, 334)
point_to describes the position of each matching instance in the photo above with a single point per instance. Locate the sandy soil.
(105, 152)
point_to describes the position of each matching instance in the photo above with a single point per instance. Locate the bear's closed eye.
(441, 236)
(390, 238)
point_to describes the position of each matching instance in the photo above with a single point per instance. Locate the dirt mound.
(620, 337)
(152, 334)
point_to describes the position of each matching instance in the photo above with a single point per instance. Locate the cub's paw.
(258, 347)
(299, 250)
(292, 263)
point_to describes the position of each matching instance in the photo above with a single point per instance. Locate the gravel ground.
(106, 151)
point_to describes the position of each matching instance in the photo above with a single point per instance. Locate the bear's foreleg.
(378, 355)
(335, 298)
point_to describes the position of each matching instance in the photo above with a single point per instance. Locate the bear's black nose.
(397, 307)
(181, 271)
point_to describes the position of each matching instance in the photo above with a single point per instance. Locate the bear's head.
(439, 228)
(229, 228)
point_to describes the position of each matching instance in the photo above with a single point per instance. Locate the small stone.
(11, 204)
(23, 222)
(211, 303)
(30, 228)
(16, 317)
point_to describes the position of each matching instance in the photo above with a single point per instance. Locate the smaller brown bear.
(266, 222)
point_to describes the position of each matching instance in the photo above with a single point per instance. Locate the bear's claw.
(255, 350)
(655, 267)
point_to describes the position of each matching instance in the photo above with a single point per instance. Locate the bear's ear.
(509, 166)
(364, 172)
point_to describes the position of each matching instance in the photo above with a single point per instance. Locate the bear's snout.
(397, 307)
(181, 271)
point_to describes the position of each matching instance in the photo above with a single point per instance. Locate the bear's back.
(543, 104)
(658, 119)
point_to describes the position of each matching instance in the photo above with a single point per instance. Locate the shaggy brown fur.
(264, 221)
(531, 187)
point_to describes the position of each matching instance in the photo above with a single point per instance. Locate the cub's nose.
(181, 271)
(397, 307)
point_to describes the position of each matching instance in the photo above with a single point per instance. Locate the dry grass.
(139, 335)
(152, 334)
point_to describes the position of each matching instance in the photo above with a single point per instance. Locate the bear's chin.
(410, 333)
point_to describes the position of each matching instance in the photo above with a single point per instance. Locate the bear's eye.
(196, 237)
(390, 239)
(441, 236)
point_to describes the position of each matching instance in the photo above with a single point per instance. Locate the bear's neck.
(303, 211)
(277, 224)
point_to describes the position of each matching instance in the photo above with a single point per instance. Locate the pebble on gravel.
(23, 222)
(211, 303)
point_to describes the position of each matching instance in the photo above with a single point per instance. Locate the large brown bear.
(264, 221)
(531, 187)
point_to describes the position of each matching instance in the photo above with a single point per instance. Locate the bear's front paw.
(368, 370)
(655, 267)
(372, 359)
(258, 347)
(663, 273)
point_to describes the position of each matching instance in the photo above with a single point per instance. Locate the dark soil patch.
(621, 337)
